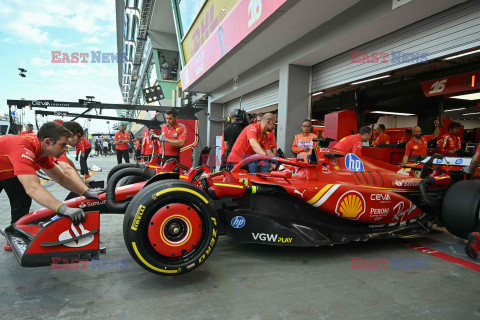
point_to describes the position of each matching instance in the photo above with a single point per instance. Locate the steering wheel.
(427, 167)
(323, 142)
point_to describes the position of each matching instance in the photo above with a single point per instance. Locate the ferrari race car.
(174, 215)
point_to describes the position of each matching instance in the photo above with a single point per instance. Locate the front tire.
(170, 227)
(460, 208)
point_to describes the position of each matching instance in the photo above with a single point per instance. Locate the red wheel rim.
(175, 230)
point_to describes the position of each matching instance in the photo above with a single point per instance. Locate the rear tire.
(170, 227)
(460, 208)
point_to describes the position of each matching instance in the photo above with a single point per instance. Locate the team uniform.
(85, 147)
(303, 141)
(149, 147)
(404, 139)
(414, 148)
(351, 144)
(447, 143)
(242, 148)
(20, 155)
(382, 138)
(273, 141)
(122, 149)
(27, 132)
(175, 132)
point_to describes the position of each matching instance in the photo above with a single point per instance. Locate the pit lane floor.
(247, 281)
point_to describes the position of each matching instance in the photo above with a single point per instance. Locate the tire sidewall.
(142, 208)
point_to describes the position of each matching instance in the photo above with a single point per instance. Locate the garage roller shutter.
(447, 32)
(260, 98)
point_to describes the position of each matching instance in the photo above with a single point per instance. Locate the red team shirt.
(177, 132)
(242, 148)
(273, 141)
(382, 138)
(83, 145)
(120, 136)
(448, 142)
(148, 145)
(416, 148)
(19, 155)
(351, 144)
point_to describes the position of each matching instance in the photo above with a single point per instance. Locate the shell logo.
(351, 205)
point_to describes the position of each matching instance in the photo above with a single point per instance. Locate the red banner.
(450, 85)
(243, 19)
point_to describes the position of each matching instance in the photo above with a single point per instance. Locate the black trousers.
(172, 157)
(20, 202)
(83, 161)
(125, 155)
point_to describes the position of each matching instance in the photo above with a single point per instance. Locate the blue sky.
(31, 30)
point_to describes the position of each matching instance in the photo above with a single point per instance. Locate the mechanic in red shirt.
(121, 140)
(449, 144)
(354, 143)
(382, 137)
(85, 147)
(173, 138)
(407, 137)
(417, 146)
(149, 146)
(273, 142)
(138, 149)
(29, 129)
(18, 177)
(253, 140)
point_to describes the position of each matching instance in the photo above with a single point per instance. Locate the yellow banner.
(205, 24)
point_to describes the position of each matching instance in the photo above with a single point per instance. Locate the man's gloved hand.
(162, 138)
(76, 157)
(76, 214)
(93, 193)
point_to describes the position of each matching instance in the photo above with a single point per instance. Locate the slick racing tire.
(460, 208)
(170, 227)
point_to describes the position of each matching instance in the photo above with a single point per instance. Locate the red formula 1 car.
(172, 221)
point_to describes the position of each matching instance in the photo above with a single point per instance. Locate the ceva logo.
(238, 222)
(353, 162)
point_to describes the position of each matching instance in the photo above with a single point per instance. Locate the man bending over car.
(20, 156)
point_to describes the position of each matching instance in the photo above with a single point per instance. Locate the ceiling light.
(372, 79)
(466, 114)
(462, 54)
(450, 110)
(470, 96)
(317, 93)
(394, 113)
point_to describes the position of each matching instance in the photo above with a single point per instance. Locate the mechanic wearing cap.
(253, 140)
(382, 137)
(121, 140)
(417, 146)
(354, 143)
(29, 129)
(173, 138)
(449, 144)
(85, 147)
(303, 142)
(18, 157)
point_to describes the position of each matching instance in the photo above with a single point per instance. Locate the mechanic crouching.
(253, 140)
(19, 157)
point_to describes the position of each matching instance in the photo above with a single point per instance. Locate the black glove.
(76, 214)
(76, 157)
(93, 193)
